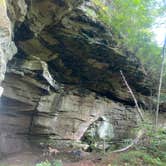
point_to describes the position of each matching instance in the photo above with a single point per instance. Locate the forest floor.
(151, 155)
(31, 158)
(130, 158)
(151, 152)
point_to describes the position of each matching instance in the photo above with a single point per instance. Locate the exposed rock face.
(66, 62)
(56, 116)
(78, 49)
(7, 47)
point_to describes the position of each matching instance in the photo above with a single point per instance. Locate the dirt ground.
(30, 158)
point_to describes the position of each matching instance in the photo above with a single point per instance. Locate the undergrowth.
(48, 163)
(150, 152)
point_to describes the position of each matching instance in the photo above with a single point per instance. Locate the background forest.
(133, 23)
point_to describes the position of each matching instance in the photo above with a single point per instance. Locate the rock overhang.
(62, 53)
(78, 49)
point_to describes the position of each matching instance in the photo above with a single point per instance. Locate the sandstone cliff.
(64, 76)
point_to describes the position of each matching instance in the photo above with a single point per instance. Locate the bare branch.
(134, 142)
(132, 94)
(160, 84)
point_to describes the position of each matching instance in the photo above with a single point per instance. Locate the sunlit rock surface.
(7, 47)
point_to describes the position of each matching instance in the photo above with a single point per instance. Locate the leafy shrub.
(47, 163)
(44, 163)
(152, 153)
(57, 163)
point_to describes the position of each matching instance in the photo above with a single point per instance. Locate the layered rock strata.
(65, 75)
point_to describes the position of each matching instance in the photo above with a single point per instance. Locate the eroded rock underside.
(65, 76)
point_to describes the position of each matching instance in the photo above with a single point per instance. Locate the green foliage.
(151, 152)
(157, 146)
(47, 163)
(44, 163)
(57, 163)
(103, 12)
(131, 22)
(139, 158)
